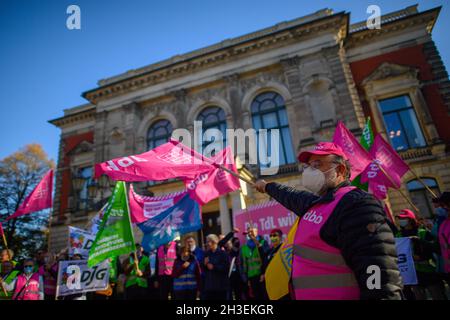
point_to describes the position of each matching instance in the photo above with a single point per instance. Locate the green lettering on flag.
(115, 236)
(366, 141)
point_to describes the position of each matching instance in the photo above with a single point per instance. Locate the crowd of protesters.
(224, 269)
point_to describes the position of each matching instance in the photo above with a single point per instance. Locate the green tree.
(19, 174)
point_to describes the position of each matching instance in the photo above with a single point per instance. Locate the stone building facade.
(309, 73)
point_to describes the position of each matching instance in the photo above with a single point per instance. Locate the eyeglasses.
(317, 164)
(274, 236)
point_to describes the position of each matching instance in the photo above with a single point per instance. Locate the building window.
(421, 197)
(401, 123)
(212, 118)
(269, 112)
(158, 133)
(83, 194)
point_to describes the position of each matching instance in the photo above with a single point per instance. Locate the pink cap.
(322, 149)
(406, 213)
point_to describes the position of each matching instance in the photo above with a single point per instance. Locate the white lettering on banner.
(222, 175)
(81, 278)
(311, 216)
(73, 281)
(266, 224)
(153, 208)
(124, 162)
(384, 155)
(373, 169)
(177, 156)
(194, 183)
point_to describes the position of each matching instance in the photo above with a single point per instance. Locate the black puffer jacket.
(358, 227)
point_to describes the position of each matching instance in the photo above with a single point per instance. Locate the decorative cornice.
(337, 22)
(81, 117)
(364, 36)
(390, 70)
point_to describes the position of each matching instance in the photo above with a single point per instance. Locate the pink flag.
(358, 157)
(169, 160)
(378, 190)
(1, 230)
(210, 185)
(389, 160)
(143, 208)
(40, 198)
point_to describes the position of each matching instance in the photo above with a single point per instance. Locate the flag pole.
(423, 183)
(131, 227)
(399, 190)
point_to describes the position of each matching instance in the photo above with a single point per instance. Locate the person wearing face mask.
(28, 285)
(276, 239)
(343, 231)
(423, 247)
(49, 272)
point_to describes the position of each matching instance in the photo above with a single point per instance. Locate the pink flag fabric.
(1, 230)
(143, 208)
(210, 185)
(382, 152)
(167, 161)
(40, 198)
(358, 157)
(378, 190)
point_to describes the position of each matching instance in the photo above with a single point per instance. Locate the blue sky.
(44, 67)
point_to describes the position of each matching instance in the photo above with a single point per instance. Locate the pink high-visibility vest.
(31, 292)
(319, 271)
(444, 241)
(166, 260)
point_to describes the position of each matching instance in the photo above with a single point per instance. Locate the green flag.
(115, 236)
(366, 141)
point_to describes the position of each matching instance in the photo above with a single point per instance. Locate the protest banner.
(75, 277)
(266, 216)
(115, 236)
(405, 261)
(80, 241)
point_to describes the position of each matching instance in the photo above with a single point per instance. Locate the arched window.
(212, 118)
(269, 112)
(421, 197)
(158, 133)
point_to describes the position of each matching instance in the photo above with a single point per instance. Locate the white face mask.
(314, 179)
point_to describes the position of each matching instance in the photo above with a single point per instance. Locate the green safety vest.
(113, 270)
(252, 260)
(133, 279)
(10, 278)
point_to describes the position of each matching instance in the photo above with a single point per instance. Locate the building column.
(225, 221)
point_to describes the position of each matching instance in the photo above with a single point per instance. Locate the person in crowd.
(190, 243)
(49, 272)
(28, 285)
(216, 268)
(110, 293)
(7, 275)
(253, 257)
(237, 284)
(444, 238)
(342, 232)
(423, 247)
(276, 240)
(441, 214)
(186, 275)
(153, 284)
(167, 254)
(137, 274)
(7, 255)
